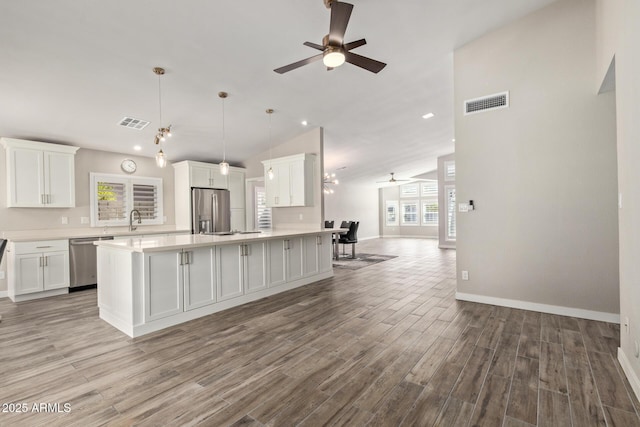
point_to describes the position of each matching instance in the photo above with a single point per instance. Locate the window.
(450, 170)
(263, 213)
(391, 213)
(429, 212)
(450, 192)
(113, 197)
(429, 189)
(410, 213)
(409, 190)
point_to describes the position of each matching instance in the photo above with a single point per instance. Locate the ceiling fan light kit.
(334, 51)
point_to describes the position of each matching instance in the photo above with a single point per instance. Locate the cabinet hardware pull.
(181, 260)
(318, 240)
(188, 257)
(46, 261)
(40, 262)
(43, 247)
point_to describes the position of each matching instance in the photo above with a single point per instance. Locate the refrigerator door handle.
(214, 211)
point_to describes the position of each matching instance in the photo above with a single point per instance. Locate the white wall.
(354, 203)
(308, 142)
(542, 173)
(623, 17)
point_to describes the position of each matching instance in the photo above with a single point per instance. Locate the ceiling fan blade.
(298, 64)
(364, 62)
(340, 14)
(314, 45)
(355, 44)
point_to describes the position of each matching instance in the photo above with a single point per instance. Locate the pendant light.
(224, 166)
(270, 171)
(163, 132)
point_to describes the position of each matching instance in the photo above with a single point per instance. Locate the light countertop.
(72, 233)
(167, 243)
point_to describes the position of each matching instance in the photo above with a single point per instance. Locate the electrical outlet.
(64, 220)
(301, 217)
(465, 275)
(84, 220)
(619, 200)
(637, 350)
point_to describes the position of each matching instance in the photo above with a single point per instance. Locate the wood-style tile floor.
(384, 345)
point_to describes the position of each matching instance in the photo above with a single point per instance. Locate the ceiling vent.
(131, 123)
(486, 103)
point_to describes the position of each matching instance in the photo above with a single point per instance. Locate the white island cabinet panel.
(56, 270)
(229, 272)
(276, 252)
(28, 272)
(293, 258)
(164, 284)
(199, 277)
(254, 271)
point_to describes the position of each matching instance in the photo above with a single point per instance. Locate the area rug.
(361, 261)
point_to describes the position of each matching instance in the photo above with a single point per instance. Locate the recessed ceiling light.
(304, 123)
(428, 116)
(137, 147)
(453, 140)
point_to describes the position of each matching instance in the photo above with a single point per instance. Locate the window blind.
(145, 200)
(409, 190)
(451, 213)
(263, 213)
(410, 213)
(430, 213)
(111, 197)
(430, 189)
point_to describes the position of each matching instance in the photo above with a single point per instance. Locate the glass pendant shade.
(161, 159)
(224, 168)
(270, 173)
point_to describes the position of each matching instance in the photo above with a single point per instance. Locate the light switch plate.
(463, 207)
(64, 220)
(1, 275)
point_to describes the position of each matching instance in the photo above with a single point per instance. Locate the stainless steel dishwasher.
(82, 262)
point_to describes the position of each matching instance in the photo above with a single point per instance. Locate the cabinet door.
(284, 190)
(56, 270)
(276, 256)
(199, 278)
(200, 176)
(27, 181)
(325, 253)
(294, 258)
(311, 248)
(219, 180)
(297, 183)
(230, 265)
(59, 180)
(254, 267)
(164, 284)
(28, 273)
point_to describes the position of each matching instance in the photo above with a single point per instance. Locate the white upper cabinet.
(39, 175)
(208, 176)
(292, 183)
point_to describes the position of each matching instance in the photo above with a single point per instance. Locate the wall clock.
(128, 165)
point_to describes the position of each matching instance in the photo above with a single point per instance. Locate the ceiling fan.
(334, 51)
(392, 179)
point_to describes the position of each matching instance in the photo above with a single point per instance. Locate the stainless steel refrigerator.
(210, 211)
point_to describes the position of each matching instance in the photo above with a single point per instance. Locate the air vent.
(130, 122)
(486, 103)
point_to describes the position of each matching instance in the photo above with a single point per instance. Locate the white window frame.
(429, 189)
(128, 202)
(450, 211)
(423, 203)
(391, 221)
(403, 213)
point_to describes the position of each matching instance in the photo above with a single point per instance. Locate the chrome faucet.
(131, 227)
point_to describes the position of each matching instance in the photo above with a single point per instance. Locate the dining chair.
(351, 237)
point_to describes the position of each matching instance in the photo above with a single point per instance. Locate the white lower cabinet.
(285, 260)
(178, 281)
(38, 267)
(241, 269)
(317, 254)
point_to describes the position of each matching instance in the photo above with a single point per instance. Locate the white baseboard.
(543, 308)
(4, 294)
(629, 372)
(395, 236)
(368, 238)
(446, 246)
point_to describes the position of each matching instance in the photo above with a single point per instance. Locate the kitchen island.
(148, 284)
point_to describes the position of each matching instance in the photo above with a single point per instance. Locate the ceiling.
(72, 70)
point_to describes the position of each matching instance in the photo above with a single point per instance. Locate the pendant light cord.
(160, 99)
(224, 143)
